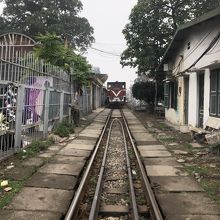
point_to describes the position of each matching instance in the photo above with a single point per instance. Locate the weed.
(162, 125)
(151, 130)
(141, 200)
(35, 147)
(110, 199)
(6, 197)
(215, 149)
(211, 187)
(188, 146)
(203, 171)
(166, 138)
(64, 129)
(93, 179)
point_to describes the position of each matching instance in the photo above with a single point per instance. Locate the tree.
(52, 50)
(145, 91)
(33, 17)
(151, 27)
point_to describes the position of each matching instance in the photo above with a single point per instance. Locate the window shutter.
(166, 95)
(218, 88)
(213, 93)
(175, 94)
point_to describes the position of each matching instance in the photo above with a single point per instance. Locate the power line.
(106, 52)
(103, 55)
(111, 44)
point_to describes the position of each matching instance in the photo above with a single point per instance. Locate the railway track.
(114, 184)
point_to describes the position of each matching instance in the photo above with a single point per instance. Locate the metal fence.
(85, 101)
(34, 95)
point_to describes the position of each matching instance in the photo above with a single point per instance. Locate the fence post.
(18, 119)
(46, 112)
(61, 105)
(70, 113)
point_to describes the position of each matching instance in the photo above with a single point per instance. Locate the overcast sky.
(108, 18)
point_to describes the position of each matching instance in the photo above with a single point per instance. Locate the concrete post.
(18, 119)
(46, 112)
(61, 105)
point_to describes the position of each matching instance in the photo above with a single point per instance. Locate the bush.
(145, 91)
(64, 129)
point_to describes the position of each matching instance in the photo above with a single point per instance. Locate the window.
(166, 95)
(170, 94)
(188, 46)
(214, 109)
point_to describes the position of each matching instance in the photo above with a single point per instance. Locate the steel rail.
(134, 208)
(95, 203)
(156, 213)
(94, 210)
(73, 209)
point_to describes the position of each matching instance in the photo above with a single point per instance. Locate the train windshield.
(119, 85)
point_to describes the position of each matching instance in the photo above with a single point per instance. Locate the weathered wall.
(193, 101)
(206, 95)
(199, 36)
(172, 116)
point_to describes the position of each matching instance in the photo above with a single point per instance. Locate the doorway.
(201, 99)
(186, 99)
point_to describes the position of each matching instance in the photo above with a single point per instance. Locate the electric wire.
(193, 49)
(106, 52)
(197, 45)
(214, 48)
(213, 42)
(103, 55)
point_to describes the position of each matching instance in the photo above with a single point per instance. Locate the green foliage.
(151, 27)
(52, 50)
(64, 129)
(6, 197)
(35, 147)
(203, 171)
(189, 147)
(41, 16)
(146, 91)
(212, 188)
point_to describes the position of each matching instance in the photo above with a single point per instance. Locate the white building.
(192, 65)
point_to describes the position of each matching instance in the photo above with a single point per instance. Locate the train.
(116, 94)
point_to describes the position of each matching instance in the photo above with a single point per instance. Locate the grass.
(64, 129)
(166, 138)
(188, 146)
(203, 171)
(215, 149)
(162, 125)
(141, 200)
(35, 147)
(210, 186)
(151, 130)
(212, 189)
(6, 197)
(110, 199)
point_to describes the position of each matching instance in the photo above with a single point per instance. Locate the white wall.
(206, 95)
(199, 36)
(172, 116)
(193, 101)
